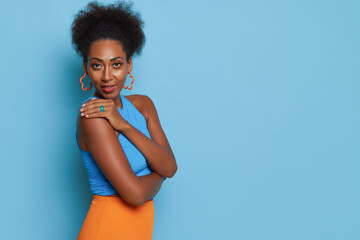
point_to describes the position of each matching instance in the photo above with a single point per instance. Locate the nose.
(106, 74)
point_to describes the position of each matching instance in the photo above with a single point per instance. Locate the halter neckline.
(122, 102)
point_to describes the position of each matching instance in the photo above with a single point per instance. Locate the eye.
(117, 64)
(96, 65)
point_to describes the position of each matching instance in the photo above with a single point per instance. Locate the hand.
(91, 109)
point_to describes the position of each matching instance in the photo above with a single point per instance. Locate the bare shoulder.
(84, 125)
(142, 103)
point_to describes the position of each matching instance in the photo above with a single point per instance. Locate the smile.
(108, 89)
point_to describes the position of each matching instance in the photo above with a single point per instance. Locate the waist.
(115, 196)
(111, 195)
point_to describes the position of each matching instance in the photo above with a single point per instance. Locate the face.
(107, 67)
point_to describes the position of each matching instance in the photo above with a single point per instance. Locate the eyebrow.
(110, 59)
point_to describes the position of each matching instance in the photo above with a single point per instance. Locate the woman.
(124, 149)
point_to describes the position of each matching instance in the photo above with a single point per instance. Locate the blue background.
(259, 100)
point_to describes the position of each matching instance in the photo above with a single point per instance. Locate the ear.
(85, 66)
(130, 65)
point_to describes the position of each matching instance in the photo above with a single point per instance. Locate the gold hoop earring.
(82, 85)
(131, 82)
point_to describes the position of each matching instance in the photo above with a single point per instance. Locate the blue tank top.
(99, 184)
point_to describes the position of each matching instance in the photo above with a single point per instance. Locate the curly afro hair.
(116, 21)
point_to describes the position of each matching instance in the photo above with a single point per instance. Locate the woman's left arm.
(157, 150)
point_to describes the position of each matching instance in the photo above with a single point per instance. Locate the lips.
(108, 88)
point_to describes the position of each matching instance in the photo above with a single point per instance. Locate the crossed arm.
(101, 140)
(157, 150)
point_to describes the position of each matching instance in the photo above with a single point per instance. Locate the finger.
(95, 115)
(95, 101)
(90, 110)
(90, 103)
(96, 107)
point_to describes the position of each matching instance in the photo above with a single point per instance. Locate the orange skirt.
(112, 218)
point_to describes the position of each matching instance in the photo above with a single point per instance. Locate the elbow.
(171, 172)
(140, 199)
(172, 169)
(136, 198)
(137, 202)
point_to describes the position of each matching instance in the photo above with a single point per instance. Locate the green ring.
(101, 108)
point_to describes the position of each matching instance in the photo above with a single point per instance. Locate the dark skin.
(98, 131)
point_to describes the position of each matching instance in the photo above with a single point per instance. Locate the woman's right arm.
(102, 142)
